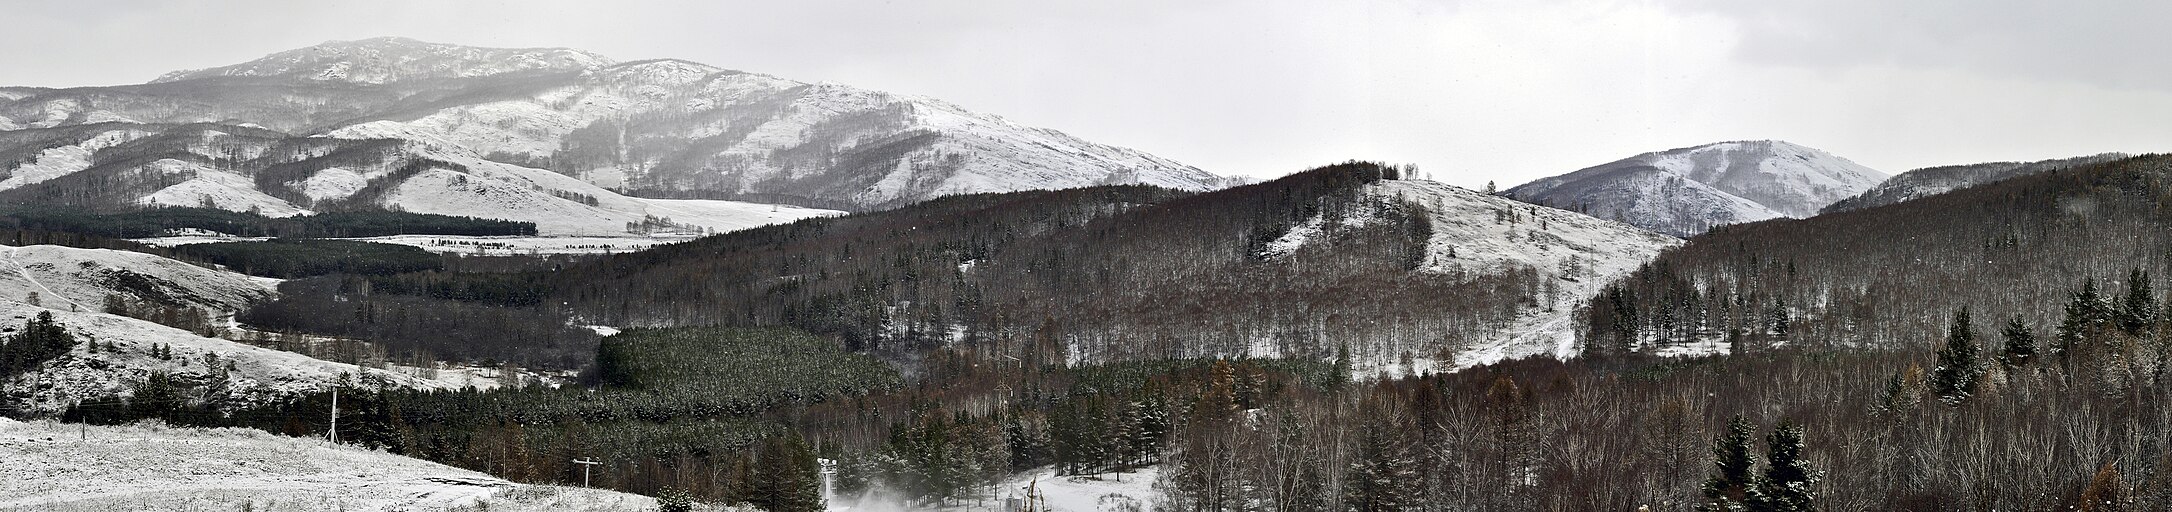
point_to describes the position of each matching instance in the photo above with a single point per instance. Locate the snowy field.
(61, 467)
(1111, 492)
(474, 245)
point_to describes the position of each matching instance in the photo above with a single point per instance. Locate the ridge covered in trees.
(1884, 276)
(152, 222)
(1119, 273)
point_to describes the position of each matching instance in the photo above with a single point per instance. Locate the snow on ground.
(1579, 253)
(61, 467)
(180, 240)
(252, 375)
(74, 279)
(473, 245)
(504, 191)
(64, 160)
(334, 183)
(1698, 348)
(1110, 492)
(528, 245)
(214, 189)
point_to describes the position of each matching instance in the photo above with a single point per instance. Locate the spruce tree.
(1788, 479)
(1955, 377)
(1730, 486)
(2086, 311)
(2020, 346)
(787, 477)
(41, 340)
(1383, 475)
(2138, 309)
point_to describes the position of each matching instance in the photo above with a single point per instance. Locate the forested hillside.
(1890, 276)
(1297, 267)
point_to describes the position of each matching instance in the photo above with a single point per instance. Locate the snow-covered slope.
(222, 373)
(53, 160)
(683, 126)
(214, 188)
(678, 128)
(276, 175)
(58, 467)
(560, 205)
(1931, 181)
(1687, 191)
(74, 279)
(1478, 233)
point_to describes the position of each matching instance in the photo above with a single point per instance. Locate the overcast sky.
(1470, 91)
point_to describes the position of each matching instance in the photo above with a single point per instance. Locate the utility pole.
(585, 465)
(335, 415)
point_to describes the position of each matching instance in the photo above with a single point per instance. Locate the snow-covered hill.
(250, 170)
(222, 373)
(1475, 233)
(58, 467)
(74, 279)
(1690, 190)
(666, 127)
(74, 284)
(1931, 181)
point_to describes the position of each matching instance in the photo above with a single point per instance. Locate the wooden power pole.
(585, 465)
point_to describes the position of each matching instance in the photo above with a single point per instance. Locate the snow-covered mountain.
(254, 170)
(63, 467)
(665, 128)
(1931, 181)
(1687, 191)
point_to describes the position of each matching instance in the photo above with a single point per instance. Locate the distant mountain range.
(557, 136)
(1687, 191)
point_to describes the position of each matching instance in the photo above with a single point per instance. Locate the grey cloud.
(2116, 44)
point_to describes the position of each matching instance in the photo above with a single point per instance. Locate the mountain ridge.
(1688, 190)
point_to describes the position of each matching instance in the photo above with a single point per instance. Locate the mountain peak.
(389, 59)
(1685, 191)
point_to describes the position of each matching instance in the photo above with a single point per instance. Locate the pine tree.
(41, 340)
(787, 478)
(1730, 486)
(1383, 475)
(2138, 309)
(1955, 377)
(156, 397)
(2086, 312)
(1788, 479)
(2020, 344)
